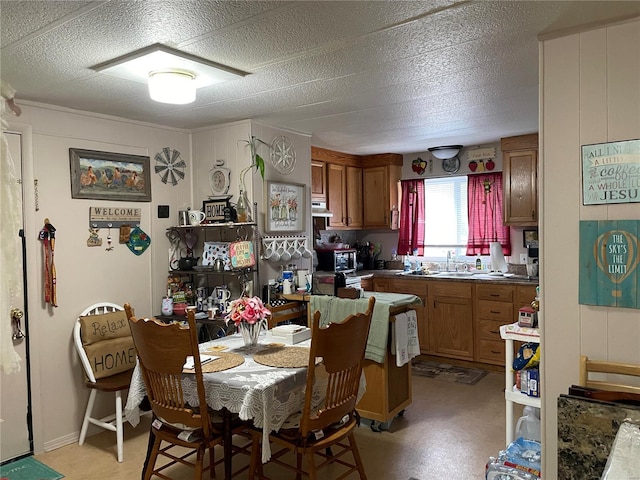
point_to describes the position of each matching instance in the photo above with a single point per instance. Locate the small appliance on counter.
(336, 259)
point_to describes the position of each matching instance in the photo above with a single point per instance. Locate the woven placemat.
(226, 361)
(286, 357)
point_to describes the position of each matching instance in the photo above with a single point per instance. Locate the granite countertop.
(450, 276)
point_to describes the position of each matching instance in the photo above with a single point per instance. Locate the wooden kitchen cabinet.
(367, 284)
(380, 194)
(520, 180)
(418, 288)
(354, 197)
(525, 294)
(380, 284)
(318, 181)
(450, 313)
(344, 189)
(494, 307)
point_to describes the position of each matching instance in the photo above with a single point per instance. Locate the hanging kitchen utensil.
(190, 239)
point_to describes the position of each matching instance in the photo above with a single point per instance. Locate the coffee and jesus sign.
(611, 173)
(609, 273)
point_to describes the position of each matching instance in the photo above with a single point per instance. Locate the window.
(446, 207)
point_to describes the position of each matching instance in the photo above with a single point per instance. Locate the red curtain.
(411, 240)
(485, 214)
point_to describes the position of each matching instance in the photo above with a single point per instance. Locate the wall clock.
(170, 166)
(451, 165)
(283, 155)
(219, 179)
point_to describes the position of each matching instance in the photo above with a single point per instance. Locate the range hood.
(319, 209)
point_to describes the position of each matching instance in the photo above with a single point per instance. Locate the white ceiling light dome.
(445, 152)
(172, 86)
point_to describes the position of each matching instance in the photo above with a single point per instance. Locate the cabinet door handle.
(533, 214)
(494, 294)
(493, 351)
(494, 331)
(493, 311)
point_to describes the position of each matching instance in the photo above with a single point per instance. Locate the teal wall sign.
(609, 273)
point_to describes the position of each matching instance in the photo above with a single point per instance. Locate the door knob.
(16, 318)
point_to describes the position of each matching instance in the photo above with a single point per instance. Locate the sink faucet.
(448, 258)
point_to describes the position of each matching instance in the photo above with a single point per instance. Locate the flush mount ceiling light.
(173, 76)
(449, 156)
(172, 86)
(446, 152)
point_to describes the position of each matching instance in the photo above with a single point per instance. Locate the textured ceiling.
(360, 77)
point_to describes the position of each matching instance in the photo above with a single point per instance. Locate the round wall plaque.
(283, 155)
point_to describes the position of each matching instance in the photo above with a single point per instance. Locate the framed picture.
(214, 210)
(109, 176)
(530, 238)
(285, 207)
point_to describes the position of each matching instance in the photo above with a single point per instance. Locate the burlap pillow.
(111, 356)
(105, 326)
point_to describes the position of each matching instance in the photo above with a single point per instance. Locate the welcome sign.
(609, 273)
(611, 173)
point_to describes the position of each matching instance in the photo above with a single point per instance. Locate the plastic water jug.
(528, 426)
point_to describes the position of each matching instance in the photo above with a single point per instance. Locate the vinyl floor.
(448, 432)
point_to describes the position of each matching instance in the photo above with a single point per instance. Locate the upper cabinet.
(380, 194)
(520, 177)
(318, 181)
(360, 190)
(344, 187)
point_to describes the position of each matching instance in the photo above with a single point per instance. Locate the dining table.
(263, 383)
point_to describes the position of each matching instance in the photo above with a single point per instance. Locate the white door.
(14, 388)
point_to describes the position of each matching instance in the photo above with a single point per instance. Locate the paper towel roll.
(498, 263)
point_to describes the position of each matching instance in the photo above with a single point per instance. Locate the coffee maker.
(532, 262)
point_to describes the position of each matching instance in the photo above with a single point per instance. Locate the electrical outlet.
(523, 258)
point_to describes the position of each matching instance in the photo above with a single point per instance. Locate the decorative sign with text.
(107, 217)
(609, 273)
(611, 173)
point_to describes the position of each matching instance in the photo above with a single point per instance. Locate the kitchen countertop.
(450, 276)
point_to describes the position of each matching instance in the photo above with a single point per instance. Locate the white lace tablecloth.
(266, 395)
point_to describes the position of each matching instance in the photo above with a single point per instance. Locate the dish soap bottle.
(478, 263)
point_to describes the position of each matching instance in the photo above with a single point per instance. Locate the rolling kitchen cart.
(510, 333)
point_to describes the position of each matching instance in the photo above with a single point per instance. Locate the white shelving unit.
(509, 335)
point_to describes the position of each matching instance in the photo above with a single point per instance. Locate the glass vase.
(243, 207)
(250, 332)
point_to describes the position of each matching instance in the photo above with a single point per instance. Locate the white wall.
(85, 275)
(228, 142)
(89, 275)
(590, 93)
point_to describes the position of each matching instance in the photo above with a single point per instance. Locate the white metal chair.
(116, 383)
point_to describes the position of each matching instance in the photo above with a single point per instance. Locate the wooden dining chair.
(162, 351)
(104, 345)
(628, 379)
(329, 426)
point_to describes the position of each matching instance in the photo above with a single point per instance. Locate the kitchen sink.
(455, 274)
(416, 273)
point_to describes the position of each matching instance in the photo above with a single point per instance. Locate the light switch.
(523, 258)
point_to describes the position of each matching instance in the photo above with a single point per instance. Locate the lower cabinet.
(418, 288)
(367, 284)
(494, 307)
(450, 313)
(461, 320)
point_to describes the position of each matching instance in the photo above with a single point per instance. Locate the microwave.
(338, 260)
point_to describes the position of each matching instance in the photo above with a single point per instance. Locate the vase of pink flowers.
(250, 315)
